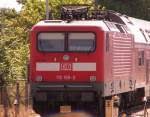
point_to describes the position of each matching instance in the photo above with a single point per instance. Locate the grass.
(22, 112)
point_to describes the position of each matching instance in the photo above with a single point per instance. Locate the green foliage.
(13, 45)
(135, 8)
(32, 12)
(15, 27)
(14, 39)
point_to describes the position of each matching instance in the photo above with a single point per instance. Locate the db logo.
(65, 66)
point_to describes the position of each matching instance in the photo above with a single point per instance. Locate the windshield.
(51, 41)
(81, 41)
(66, 41)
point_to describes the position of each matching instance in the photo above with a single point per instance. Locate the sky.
(10, 4)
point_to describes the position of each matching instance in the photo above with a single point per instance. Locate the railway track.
(139, 110)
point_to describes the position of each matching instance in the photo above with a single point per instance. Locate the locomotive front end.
(66, 66)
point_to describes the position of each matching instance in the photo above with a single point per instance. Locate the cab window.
(84, 42)
(51, 42)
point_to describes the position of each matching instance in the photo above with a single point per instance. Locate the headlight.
(38, 78)
(92, 78)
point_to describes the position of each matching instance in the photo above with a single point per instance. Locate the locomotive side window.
(120, 28)
(51, 42)
(141, 58)
(81, 42)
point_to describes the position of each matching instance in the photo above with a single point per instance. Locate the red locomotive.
(81, 61)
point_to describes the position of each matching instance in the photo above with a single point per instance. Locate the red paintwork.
(97, 56)
(117, 69)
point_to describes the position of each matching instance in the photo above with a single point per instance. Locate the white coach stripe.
(84, 67)
(47, 66)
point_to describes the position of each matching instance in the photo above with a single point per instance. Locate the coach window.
(82, 42)
(141, 58)
(51, 42)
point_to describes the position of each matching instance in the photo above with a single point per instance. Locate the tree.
(134, 8)
(15, 28)
(7, 39)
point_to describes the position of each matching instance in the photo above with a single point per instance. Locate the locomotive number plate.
(65, 66)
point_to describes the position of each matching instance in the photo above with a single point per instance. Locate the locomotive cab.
(67, 64)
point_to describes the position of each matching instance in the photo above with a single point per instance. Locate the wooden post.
(116, 103)
(26, 95)
(108, 108)
(5, 101)
(1, 99)
(17, 100)
(0, 92)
